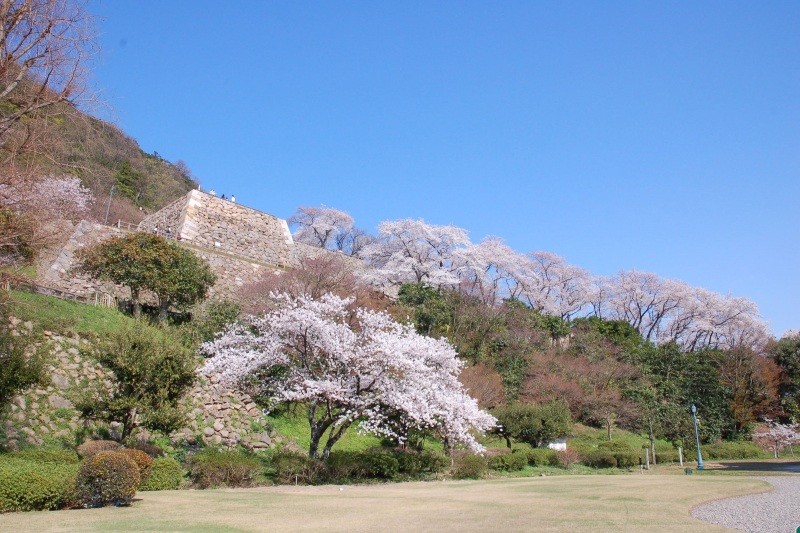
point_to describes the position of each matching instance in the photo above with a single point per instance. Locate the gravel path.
(777, 511)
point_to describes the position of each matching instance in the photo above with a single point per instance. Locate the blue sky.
(662, 137)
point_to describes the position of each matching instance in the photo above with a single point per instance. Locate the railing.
(9, 281)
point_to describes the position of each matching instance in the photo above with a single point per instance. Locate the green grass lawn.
(62, 316)
(567, 503)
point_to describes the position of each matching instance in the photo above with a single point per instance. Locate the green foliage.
(47, 454)
(129, 182)
(432, 313)
(20, 364)
(107, 478)
(786, 353)
(509, 462)
(533, 424)
(292, 467)
(469, 466)
(150, 449)
(542, 457)
(419, 463)
(151, 372)
(599, 459)
(733, 450)
(29, 485)
(213, 467)
(143, 261)
(208, 320)
(166, 474)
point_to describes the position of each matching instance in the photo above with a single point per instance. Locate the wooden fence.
(19, 283)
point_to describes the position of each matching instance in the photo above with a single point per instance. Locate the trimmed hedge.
(107, 478)
(731, 450)
(30, 486)
(166, 474)
(150, 449)
(213, 467)
(600, 459)
(294, 467)
(48, 454)
(469, 466)
(509, 462)
(542, 457)
(416, 464)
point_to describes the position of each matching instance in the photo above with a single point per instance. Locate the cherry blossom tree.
(329, 228)
(489, 270)
(413, 251)
(347, 369)
(778, 436)
(554, 287)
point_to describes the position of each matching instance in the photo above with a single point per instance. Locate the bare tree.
(45, 47)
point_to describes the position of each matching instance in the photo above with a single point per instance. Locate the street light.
(697, 437)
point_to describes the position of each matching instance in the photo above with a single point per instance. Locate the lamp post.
(697, 437)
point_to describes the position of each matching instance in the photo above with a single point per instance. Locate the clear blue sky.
(662, 137)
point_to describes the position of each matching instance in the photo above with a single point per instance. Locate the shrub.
(670, 456)
(600, 459)
(150, 449)
(48, 454)
(107, 478)
(567, 458)
(212, 467)
(293, 467)
(509, 462)
(542, 457)
(143, 462)
(414, 464)
(91, 447)
(341, 466)
(469, 466)
(167, 474)
(627, 459)
(731, 450)
(33, 486)
(380, 464)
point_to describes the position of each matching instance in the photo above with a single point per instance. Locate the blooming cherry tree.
(350, 367)
(779, 436)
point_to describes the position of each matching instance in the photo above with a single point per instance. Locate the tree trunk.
(608, 427)
(162, 310)
(137, 306)
(508, 441)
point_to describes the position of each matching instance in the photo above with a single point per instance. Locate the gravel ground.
(777, 511)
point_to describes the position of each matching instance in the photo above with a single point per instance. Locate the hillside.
(102, 155)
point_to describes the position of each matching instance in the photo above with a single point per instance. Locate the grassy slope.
(568, 503)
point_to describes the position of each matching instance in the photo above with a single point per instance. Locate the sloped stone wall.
(216, 414)
(211, 222)
(169, 217)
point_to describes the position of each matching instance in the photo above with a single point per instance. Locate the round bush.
(30, 486)
(91, 447)
(294, 467)
(627, 459)
(107, 478)
(143, 462)
(567, 458)
(48, 454)
(166, 474)
(150, 449)
(380, 464)
(469, 466)
(600, 459)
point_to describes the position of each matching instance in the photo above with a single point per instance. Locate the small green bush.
(415, 464)
(35, 486)
(143, 462)
(294, 467)
(509, 462)
(732, 450)
(542, 457)
(627, 459)
(380, 463)
(600, 459)
(469, 466)
(670, 456)
(48, 454)
(213, 467)
(91, 447)
(166, 474)
(107, 478)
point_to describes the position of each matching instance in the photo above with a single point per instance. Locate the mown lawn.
(566, 503)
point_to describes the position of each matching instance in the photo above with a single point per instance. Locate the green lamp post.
(697, 437)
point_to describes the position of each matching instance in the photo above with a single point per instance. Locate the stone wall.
(211, 222)
(169, 217)
(60, 274)
(215, 414)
